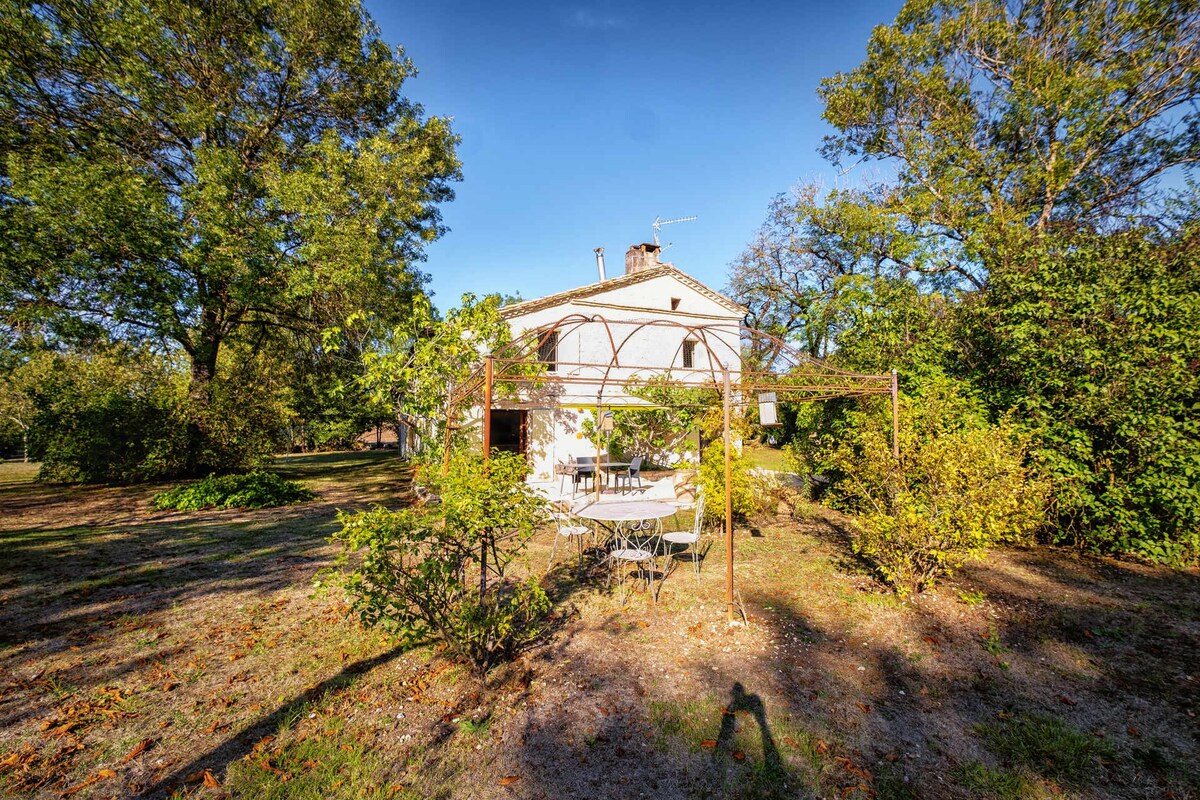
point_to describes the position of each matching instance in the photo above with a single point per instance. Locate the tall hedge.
(110, 416)
(1093, 345)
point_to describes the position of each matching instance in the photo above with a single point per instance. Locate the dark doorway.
(510, 430)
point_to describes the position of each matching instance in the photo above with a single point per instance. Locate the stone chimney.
(641, 257)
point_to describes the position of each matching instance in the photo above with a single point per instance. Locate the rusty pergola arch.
(780, 368)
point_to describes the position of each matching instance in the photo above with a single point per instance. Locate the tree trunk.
(482, 568)
(204, 370)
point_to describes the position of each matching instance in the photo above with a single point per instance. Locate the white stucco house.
(654, 317)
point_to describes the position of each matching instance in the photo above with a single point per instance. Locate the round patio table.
(624, 510)
(618, 511)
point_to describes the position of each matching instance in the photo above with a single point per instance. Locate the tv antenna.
(658, 223)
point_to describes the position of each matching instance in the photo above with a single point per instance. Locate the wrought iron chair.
(567, 525)
(689, 539)
(634, 543)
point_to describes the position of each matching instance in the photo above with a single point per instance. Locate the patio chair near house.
(689, 539)
(585, 470)
(627, 474)
(567, 470)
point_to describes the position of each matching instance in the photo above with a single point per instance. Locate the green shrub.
(1092, 343)
(746, 497)
(959, 487)
(253, 490)
(108, 415)
(117, 414)
(441, 572)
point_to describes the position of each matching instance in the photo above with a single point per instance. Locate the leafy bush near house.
(746, 494)
(253, 490)
(959, 487)
(441, 572)
(1092, 344)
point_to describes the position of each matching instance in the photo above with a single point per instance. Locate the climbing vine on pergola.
(772, 366)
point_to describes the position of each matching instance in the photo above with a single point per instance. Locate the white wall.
(643, 351)
(555, 423)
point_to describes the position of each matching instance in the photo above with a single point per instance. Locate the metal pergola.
(775, 367)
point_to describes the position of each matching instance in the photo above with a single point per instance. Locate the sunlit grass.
(1047, 745)
(766, 457)
(16, 473)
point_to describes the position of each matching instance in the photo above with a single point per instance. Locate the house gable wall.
(559, 412)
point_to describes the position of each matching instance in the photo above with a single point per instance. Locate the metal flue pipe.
(600, 263)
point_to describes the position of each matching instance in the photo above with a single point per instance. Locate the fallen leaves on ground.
(137, 750)
(102, 775)
(75, 715)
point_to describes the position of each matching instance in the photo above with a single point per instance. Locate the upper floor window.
(548, 350)
(689, 354)
(674, 303)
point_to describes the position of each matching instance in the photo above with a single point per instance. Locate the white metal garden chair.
(566, 525)
(634, 543)
(689, 539)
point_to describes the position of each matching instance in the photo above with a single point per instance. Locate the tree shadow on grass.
(68, 570)
(871, 697)
(602, 727)
(239, 744)
(74, 582)
(907, 715)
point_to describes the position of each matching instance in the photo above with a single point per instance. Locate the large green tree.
(1005, 120)
(189, 172)
(813, 255)
(1035, 252)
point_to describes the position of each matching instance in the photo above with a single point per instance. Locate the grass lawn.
(766, 457)
(15, 473)
(162, 654)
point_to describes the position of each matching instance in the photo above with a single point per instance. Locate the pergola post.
(449, 427)
(728, 499)
(599, 433)
(488, 377)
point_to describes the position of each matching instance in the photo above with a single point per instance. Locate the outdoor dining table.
(619, 511)
(577, 470)
(624, 510)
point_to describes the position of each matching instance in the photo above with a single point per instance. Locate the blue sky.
(581, 123)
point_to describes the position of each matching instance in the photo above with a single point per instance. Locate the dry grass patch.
(151, 654)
